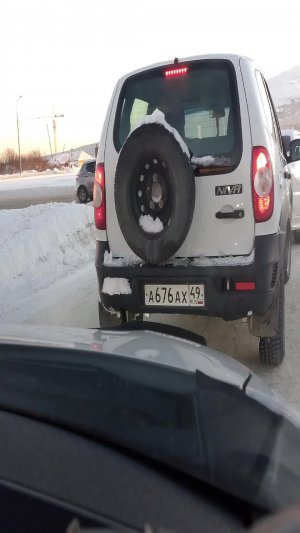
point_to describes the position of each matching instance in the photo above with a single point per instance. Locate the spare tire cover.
(154, 193)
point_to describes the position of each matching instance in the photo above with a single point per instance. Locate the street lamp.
(18, 130)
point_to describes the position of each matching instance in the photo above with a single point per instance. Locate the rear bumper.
(221, 300)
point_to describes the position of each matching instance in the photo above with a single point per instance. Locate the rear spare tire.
(154, 193)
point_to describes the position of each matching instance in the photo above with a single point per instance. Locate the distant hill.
(81, 152)
(285, 90)
(88, 148)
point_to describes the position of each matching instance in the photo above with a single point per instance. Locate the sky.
(64, 57)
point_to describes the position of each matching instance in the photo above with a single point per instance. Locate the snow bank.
(150, 225)
(113, 286)
(158, 117)
(39, 245)
(73, 169)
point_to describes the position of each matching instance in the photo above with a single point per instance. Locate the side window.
(265, 101)
(138, 112)
(90, 167)
(275, 118)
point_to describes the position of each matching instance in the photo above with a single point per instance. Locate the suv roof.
(230, 57)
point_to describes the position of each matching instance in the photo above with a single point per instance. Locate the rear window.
(202, 105)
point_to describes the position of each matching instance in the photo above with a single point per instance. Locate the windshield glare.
(150, 244)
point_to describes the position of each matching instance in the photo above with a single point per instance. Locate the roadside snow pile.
(113, 286)
(72, 169)
(39, 245)
(150, 225)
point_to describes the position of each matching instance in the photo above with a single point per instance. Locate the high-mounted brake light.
(262, 184)
(174, 72)
(99, 197)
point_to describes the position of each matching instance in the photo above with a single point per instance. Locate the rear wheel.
(82, 194)
(297, 236)
(272, 349)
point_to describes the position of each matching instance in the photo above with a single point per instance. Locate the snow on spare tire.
(154, 190)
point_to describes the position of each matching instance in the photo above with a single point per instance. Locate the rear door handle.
(237, 213)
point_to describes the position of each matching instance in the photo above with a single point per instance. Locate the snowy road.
(32, 189)
(73, 302)
(48, 276)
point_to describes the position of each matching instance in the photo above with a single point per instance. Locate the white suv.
(192, 198)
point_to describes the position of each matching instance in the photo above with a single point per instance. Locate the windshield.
(201, 104)
(144, 185)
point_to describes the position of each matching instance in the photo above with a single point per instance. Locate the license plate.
(175, 295)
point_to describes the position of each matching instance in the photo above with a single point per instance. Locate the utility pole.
(54, 129)
(49, 138)
(18, 131)
(53, 117)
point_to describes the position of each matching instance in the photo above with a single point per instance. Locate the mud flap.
(266, 325)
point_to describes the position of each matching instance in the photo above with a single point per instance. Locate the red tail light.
(262, 184)
(99, 197)
(174, 72)
(245, 285)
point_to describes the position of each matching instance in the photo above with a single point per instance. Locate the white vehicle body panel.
(209, 236)
(231, 237)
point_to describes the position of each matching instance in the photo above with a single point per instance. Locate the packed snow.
(113, 286)
(201, 261)
(204, 261)
(150, 225)
(130, 260)
(158, 117)
(39, 245)
(204, 161)
(208, 160)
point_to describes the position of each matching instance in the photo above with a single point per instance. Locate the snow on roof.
(72, 156)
